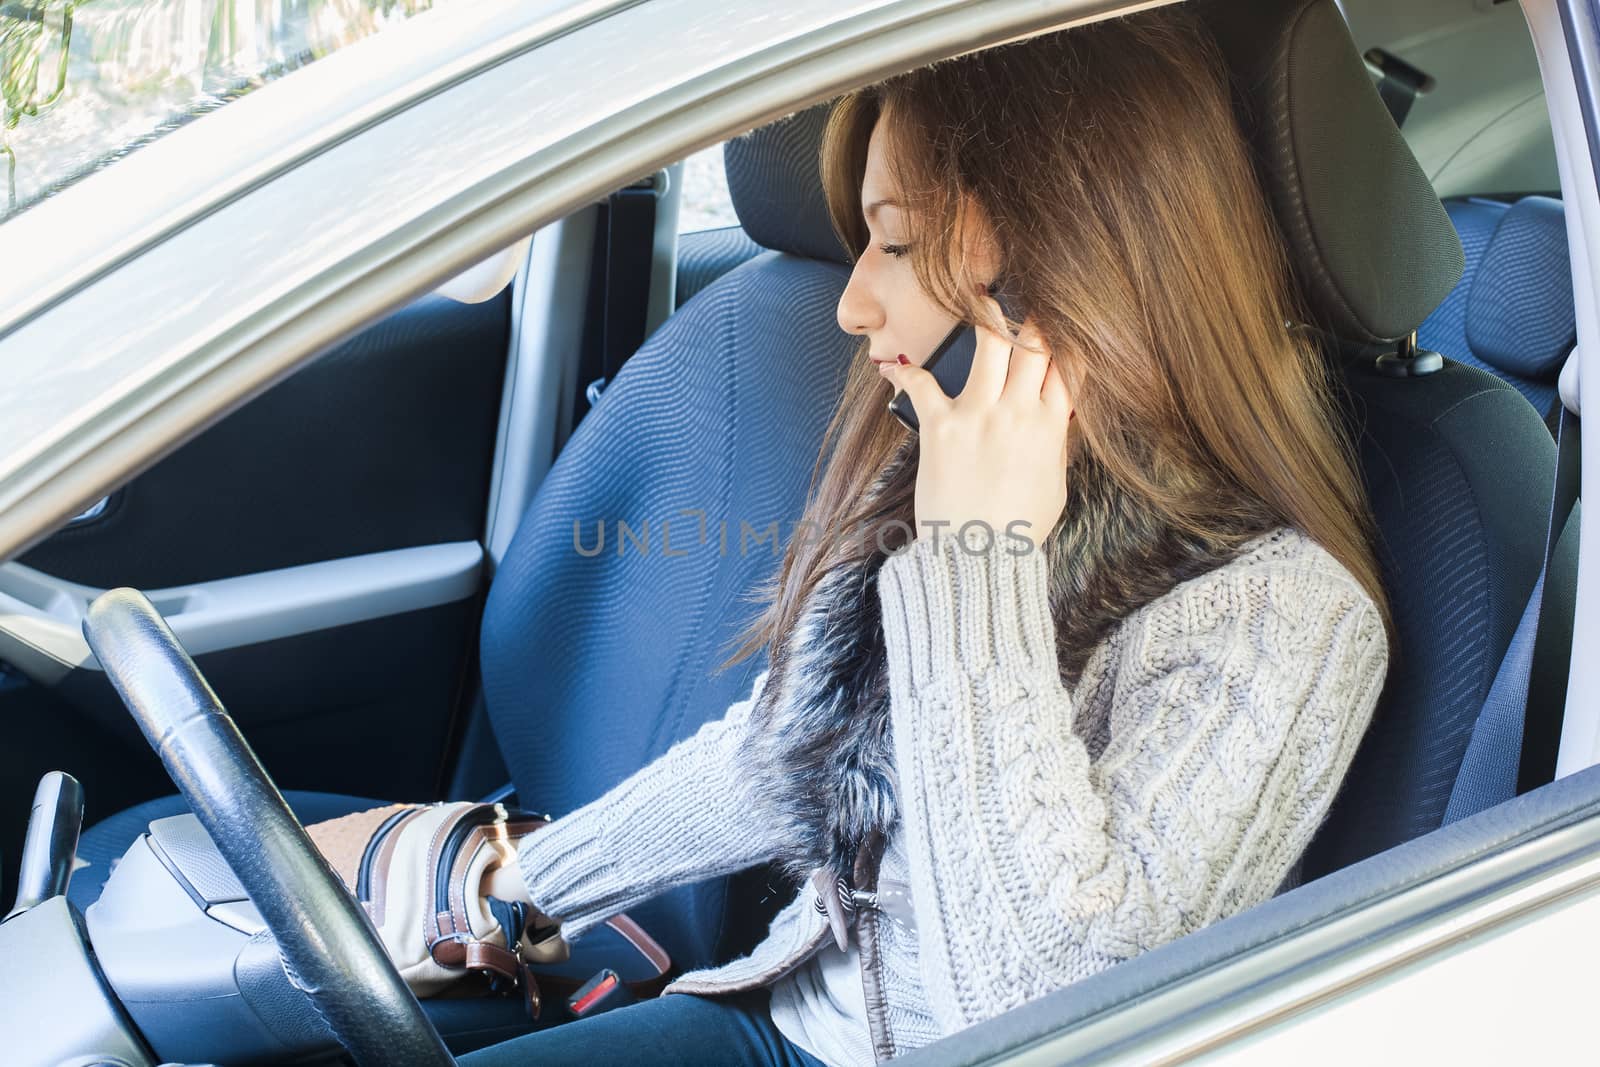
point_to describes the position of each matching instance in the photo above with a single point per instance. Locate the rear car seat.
(1512, 312)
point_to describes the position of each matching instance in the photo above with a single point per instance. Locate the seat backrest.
(1458, 467)
(595, 663)
(1458, 464)
(1512, 313)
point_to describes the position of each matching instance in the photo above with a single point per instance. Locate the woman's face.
(883, 301)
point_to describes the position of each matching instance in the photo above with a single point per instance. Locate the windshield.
(86, 81)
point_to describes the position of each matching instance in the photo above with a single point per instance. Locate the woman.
(1107, 692)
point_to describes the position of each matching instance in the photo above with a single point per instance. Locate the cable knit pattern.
(1232, 705)
(1046, 833)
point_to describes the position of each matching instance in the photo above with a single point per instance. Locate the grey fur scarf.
(820, 739)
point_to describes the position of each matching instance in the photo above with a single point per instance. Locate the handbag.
(417, 870)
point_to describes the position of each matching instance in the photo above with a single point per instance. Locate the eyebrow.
(872, 208)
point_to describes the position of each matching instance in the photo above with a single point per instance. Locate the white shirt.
(822, 1007)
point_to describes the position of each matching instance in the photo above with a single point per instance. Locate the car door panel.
(318, 552)
(41, 617)
(384, 442)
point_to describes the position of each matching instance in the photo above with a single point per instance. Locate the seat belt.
(1552, 646)
(628, 251)
(1489, 773)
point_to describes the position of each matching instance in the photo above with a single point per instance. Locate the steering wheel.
(329, 948)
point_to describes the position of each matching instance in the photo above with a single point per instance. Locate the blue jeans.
(674, 1030)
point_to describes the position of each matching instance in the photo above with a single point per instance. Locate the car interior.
(377, 555)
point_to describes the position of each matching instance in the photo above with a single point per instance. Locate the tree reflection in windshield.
(83, 82)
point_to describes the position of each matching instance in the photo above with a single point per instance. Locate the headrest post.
(1409, 361)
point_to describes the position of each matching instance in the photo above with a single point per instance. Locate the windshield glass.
(83, 82)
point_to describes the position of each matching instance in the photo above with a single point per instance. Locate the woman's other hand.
(997, 452)
(503, 880)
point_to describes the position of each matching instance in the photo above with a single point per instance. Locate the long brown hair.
(1109, 164)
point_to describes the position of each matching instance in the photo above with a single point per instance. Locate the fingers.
(923, 388)
(1018, 371)
(1054, 392)
(1027, 368)
(990, 360)
(1006, 368)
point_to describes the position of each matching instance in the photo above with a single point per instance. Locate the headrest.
(1520, 313)
(1371, 245)
(775, 183)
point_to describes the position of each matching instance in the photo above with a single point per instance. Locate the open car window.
(706, 204)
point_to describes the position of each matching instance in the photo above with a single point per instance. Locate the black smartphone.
(951, 362)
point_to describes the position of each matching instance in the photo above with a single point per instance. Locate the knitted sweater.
(1047, 832)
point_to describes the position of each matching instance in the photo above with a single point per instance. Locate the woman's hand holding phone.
(997, 452)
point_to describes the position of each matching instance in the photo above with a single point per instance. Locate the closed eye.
(892, 250)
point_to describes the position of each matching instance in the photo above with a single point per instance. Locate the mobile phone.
(951, 362)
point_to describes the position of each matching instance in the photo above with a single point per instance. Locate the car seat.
(706, 255)
(1512, 313)
(1458, 465)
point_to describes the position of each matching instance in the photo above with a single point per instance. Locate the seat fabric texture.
(706, 255)
(1512, 313)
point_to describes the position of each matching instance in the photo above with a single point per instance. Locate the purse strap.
(647, 946)
(450, 941)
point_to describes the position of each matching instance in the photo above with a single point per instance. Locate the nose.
(859, 312)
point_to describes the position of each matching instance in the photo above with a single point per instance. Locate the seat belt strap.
(629, 251)
(1552, 647)
(1490, 772)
